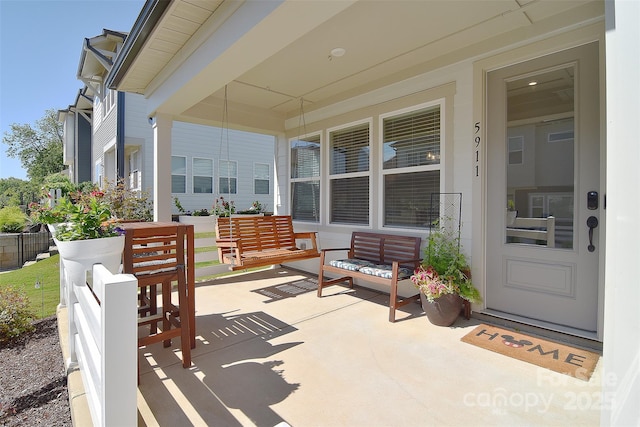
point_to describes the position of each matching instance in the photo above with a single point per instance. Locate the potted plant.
(199, 218)
(84, 232)
(256, 209)
(223, 208)
(444, 279)
(511, 212)
(127, 205)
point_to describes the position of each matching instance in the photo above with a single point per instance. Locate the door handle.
(592, 222)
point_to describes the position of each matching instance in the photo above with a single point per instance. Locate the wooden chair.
(156, 256)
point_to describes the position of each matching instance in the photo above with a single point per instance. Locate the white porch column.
(281, 204)
(162, 125)
(621, 352)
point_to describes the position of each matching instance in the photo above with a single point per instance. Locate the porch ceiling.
(286, 55)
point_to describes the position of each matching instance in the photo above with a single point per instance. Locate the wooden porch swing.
(258, 241)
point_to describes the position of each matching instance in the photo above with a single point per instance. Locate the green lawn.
(47, 272)
(45, 299)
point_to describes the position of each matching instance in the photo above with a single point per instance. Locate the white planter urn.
(78, 256)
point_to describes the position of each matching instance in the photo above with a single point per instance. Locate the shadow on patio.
(270, 352)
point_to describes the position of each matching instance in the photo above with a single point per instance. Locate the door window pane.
(540, 158)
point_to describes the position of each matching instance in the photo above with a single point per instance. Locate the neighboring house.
(108, 136)
(497, 100)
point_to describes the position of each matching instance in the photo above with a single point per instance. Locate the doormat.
(557, 357)
(288, 290)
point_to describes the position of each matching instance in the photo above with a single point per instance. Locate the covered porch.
(268, 353)
(278, 63)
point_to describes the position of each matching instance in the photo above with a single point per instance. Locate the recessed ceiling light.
(533, 83)
(338, 52)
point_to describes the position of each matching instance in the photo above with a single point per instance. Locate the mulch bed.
(33, 383)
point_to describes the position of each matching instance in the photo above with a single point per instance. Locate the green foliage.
(127, 204)
(256, 207)
(444, 258)
(15, 314)
(58, 181)
(12, 219)
(176, 201)
(17, 192)
(222, 208)
(39, 147)
(89, 217)
(201, 212)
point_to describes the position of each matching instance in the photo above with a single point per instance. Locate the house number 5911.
(477, 147)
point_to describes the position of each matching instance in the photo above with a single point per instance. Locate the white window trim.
(326, 171)
(441, 102)
(220, 168)
(268, 165)
(213, 175)
(98, 168)
(509, 151)
(110, 101)
(136, 170)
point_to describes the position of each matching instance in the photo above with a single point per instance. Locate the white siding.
(104, 135)
(191, 140)
(246, 148)
(138, 132)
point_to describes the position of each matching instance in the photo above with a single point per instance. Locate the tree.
(17, 192)
(39, 148)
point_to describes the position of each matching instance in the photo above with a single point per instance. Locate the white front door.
(544, 163)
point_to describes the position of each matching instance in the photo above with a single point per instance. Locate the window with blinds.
(411, 167)
(178, 174)
(305, 179)
(261, 178)
(228, 178)
(349, 175)
(202, 175)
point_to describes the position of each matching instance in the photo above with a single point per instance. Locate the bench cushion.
(371, 268)
(351, 264)
(385, 271)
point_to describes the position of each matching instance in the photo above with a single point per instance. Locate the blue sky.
(40, 47)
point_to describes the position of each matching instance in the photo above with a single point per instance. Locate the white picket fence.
(103, 342)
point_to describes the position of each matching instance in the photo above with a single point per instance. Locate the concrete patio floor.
(336, 361)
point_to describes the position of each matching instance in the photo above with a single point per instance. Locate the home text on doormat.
(561, 358)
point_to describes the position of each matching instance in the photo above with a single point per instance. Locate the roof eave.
(150, 15)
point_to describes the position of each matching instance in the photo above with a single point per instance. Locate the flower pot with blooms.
(255, 209)
(444, 278)
(85, 233)
(223, 208)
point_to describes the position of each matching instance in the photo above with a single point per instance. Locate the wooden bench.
(257, 241)
(534, 228)
(378, 258)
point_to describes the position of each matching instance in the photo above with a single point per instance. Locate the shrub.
(58, 181)
(12, 219)
(15, 314)
(201, 212)
(128, 204)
